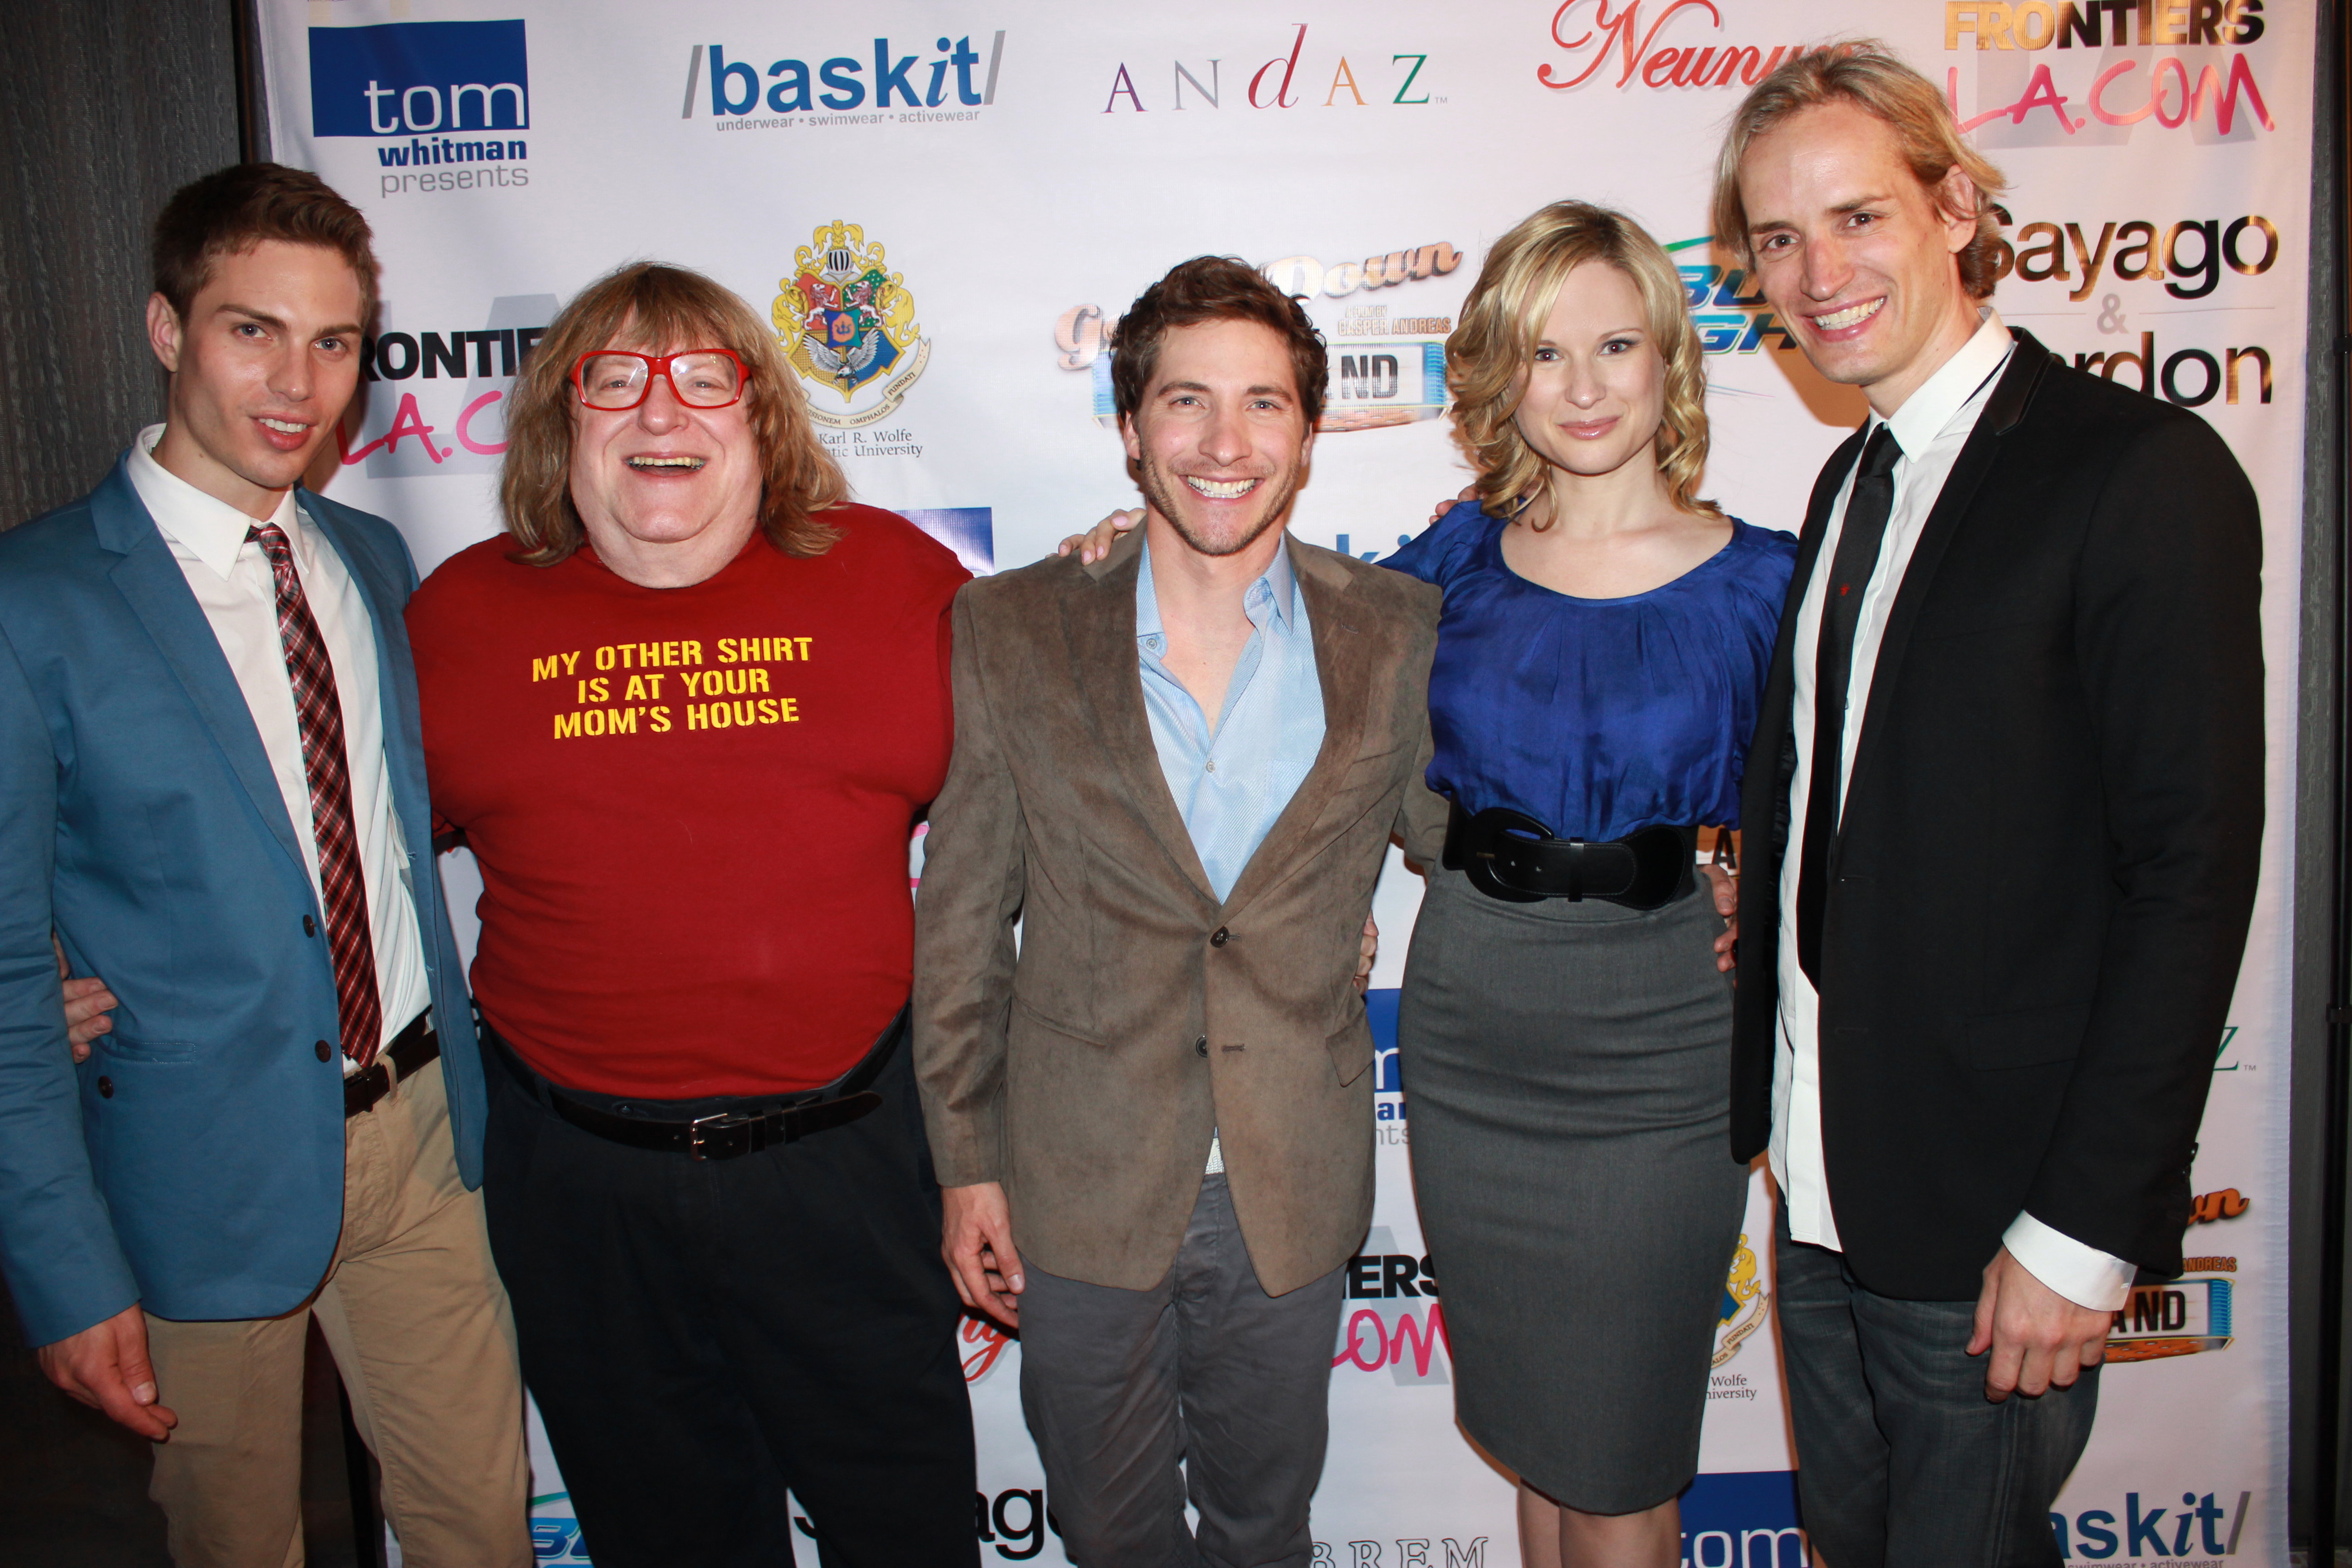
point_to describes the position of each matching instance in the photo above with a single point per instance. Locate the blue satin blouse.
(1597, 717)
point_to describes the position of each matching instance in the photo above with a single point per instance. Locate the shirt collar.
(1276, 591)
(1956, 383)
(211, 530)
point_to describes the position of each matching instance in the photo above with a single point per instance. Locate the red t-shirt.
(691, 805)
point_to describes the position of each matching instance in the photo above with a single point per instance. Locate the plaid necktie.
(320, 712)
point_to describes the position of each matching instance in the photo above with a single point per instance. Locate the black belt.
(744, 1126)
(1510, 855)
(409, 1050)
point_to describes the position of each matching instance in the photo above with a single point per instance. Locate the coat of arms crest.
(846, 322)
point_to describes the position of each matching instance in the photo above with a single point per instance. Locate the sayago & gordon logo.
(447, 103)
(847, 324)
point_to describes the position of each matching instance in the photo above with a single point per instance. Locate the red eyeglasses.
(616, 379)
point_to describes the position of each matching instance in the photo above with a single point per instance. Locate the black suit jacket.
(2043, 877)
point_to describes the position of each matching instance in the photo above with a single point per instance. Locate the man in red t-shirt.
(685, 714)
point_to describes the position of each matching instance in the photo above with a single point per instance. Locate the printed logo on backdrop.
(2124, 281)
(446, 102)
(2030, 91)
(2194, 1313)
(847, 324)
(555, 1534)
(1385, 368)
(791, 98)
(1653, 44)
(438, 406)
(2143, 1527)
(1279, 84)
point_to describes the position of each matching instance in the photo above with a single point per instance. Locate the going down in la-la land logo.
(847, 324)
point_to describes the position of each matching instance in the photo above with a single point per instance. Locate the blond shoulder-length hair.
(652, 308)
(1865, 73)
(1489, 356)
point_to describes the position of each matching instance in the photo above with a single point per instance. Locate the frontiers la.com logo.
(446, 102)
(2098, 98)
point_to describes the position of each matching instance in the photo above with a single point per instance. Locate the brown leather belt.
(408, 1051)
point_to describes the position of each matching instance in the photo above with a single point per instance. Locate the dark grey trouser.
(1902, 1462)
(1204, 1370)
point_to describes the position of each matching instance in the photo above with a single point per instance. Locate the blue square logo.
(419, 79)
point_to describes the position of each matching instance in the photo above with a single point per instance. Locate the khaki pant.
(419, 1326)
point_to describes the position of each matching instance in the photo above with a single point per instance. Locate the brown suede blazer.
(1087, 1071)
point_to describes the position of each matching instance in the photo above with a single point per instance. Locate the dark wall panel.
(105, 108)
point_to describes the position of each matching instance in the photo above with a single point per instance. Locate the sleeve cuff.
(2081, 1273)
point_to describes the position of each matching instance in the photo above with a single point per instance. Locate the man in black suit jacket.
(2016, 710)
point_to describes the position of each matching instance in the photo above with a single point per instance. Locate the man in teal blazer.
(212, 794)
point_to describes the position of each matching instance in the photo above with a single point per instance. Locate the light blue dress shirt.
(1231, 780)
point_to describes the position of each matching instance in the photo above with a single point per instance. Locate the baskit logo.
(2206, 1526)
(903, 89)
(847, 324)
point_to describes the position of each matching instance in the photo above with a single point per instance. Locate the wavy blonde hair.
(1865, 73)
(1489, 356)
(649, 307)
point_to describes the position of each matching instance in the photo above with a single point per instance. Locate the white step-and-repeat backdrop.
(1009, 174)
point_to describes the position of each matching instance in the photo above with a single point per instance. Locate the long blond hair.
(651, 307)
(1487, 357)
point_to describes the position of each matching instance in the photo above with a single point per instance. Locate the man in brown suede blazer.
(1152, 1119)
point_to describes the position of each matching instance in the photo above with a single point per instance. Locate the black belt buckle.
(725, 1135)
(1490, 827)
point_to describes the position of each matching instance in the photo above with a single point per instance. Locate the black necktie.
(1866, 512)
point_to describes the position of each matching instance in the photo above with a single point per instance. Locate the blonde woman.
(1565, 1027)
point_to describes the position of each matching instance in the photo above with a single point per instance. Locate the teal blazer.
(195, 1163)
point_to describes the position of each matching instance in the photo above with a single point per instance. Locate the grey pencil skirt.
(1566, 1078)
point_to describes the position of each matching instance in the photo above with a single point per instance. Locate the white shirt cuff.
(2081, 1273)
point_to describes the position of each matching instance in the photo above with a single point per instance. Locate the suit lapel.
(1341, 656)
(151, 583)
(2002, 410)
(1100, 619)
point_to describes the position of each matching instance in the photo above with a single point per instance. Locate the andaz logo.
(1270, 86)
(416, 77)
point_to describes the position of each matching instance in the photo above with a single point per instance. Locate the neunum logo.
(2133, 1532)
(1277, 84)
(421, 79)
(1603, 36)
(955, 79)
(847, 324)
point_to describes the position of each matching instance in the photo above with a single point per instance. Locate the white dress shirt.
(1932, 425)
(234, 585)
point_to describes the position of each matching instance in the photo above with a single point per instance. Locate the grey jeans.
(1902, 1462)
(1204, 1371)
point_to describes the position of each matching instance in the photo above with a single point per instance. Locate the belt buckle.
(701, 1145)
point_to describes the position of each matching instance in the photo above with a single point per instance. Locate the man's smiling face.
(1855, 255)
(262, 366)
(1220, 438)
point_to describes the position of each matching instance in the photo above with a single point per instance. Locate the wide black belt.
(410, 1049)
(1510, 855)
(740, 1127)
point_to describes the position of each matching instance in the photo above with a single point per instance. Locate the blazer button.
(106, 1089)
(1199, 1047)
(309, 926)
(1222, 937)
(326, 1052)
